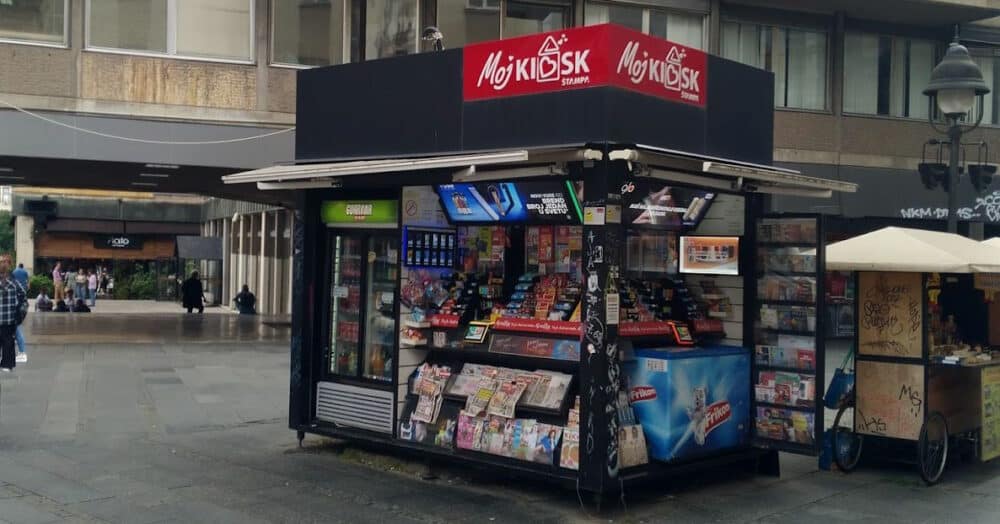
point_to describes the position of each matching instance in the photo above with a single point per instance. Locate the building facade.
(165, 96)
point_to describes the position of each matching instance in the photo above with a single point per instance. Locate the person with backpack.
(20, 275)
(13, 309)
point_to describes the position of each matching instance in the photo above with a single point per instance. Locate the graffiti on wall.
(986, 208)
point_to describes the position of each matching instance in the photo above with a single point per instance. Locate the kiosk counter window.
(492, 346)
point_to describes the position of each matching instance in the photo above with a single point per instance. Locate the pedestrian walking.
(20, 276)
(57, 281)
(193, 294)
(92, 288)
(13, 308)
(246, 302)
(103, 288)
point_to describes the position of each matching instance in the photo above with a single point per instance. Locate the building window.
(527, 18)
(990, 65)
(391, 28)
(38, 21)
(681, 27)
(307, 33)
(797, 57)
(464, 22)
(216, 29)
(886, 75)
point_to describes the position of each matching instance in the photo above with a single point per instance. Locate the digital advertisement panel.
(710, 255)
(652, 203)
(508, 202)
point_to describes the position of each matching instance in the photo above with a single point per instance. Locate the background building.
(164, 96)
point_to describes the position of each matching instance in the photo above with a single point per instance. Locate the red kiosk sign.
(595, 56)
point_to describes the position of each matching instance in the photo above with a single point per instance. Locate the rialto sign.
(595, 56)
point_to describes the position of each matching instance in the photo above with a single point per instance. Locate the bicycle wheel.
(933, 448)
(846, 442)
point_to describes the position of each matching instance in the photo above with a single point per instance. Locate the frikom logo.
(670, 71)
(550, 64)
(716, 415)
(642, 393)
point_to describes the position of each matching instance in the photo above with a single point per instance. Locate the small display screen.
(543, 202)
(710, 255)
(651, 203)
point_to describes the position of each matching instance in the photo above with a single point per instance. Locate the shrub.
(37, 283)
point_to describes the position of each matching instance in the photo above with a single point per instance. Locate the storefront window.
(798, 59)
(886, 75)
(526, 18)
(684, 28)
(208, 28)
(391, 28)
(33, 21)
(468, 21)
(308, 33)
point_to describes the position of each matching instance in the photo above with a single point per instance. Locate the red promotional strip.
(443, 321)
(593, 56)
(548, 327)
(707, 325)
(645, 329)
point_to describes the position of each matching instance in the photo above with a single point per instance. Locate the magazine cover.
(495, 429)
(569, 457)
(632, 443)
(529, 438)
(466, 431)
(548, 440)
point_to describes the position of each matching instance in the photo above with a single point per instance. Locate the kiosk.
(541, 255)
(925, 367)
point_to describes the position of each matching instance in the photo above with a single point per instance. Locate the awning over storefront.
(663, 164)
(199, 248)
(912, 250)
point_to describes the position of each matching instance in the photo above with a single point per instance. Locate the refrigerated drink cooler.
(691, 402)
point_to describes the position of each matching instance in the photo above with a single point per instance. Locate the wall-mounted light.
(6, 169)
(163, 166)
(154, 175)
(144, 184)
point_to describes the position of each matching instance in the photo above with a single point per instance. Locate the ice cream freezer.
(691, 401)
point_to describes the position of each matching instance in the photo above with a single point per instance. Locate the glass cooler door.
(382, 270)
(345, 305)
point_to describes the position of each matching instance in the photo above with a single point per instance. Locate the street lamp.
(956, 84)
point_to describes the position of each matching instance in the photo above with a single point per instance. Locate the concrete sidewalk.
(171, 418)
(145, 306)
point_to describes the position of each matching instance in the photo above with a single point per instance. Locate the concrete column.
(277, 282)
(715, 27)
(262, 283)
(226, 262)
(241, 258)
(24, 241)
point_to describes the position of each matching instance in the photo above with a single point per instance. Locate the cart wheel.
(846, 442)
(933, 448)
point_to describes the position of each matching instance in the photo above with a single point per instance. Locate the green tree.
(6, 233)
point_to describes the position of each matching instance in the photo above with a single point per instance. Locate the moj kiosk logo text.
(549, 65)
(584, 57)
(669, 71)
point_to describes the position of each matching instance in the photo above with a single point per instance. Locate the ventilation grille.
(354, 407)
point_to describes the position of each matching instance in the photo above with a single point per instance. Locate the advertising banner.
(593, 56)
(507, 202)
(691, 406)
(710, 255)
(652, 203)
(117, 242)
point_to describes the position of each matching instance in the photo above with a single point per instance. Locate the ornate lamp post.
(956, 84)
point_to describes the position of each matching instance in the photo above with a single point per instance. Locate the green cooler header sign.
(360, 213)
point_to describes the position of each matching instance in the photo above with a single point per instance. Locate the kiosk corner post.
(600, 368)
(302, 350)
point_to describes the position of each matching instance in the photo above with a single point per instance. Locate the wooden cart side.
(955, 393)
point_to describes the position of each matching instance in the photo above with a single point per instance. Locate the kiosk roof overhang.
(663, 164)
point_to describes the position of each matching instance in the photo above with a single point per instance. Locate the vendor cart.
(924, 372)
